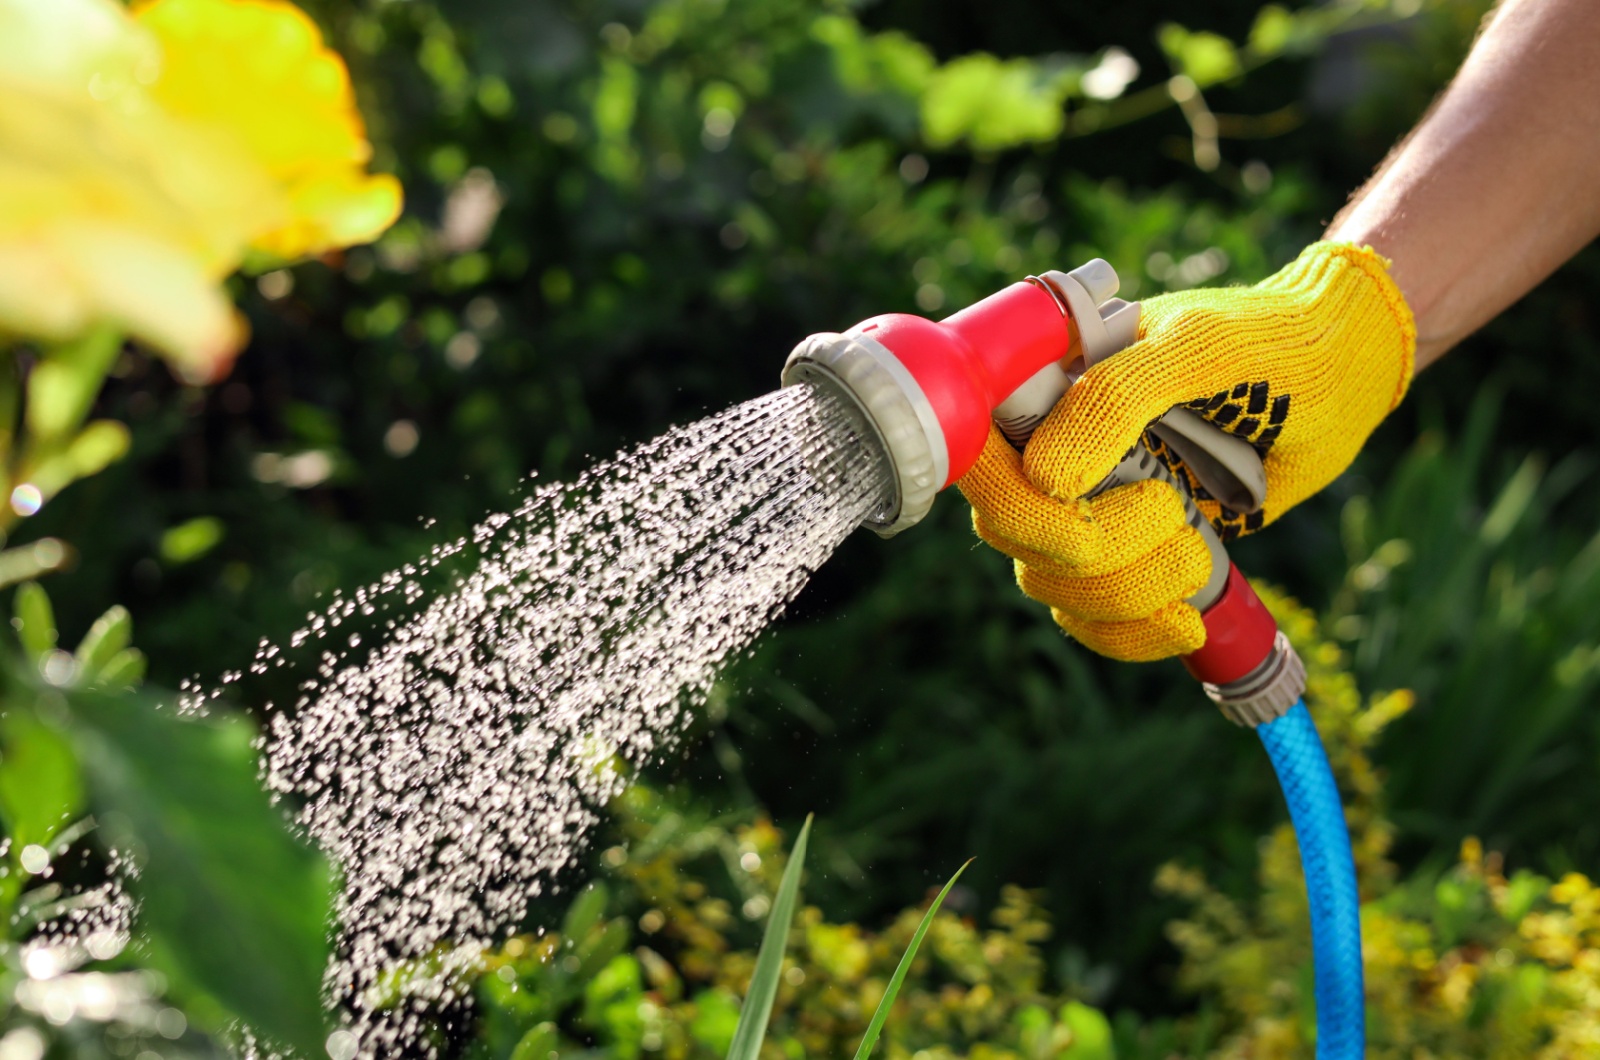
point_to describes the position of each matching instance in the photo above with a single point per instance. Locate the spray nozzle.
(928, 388)
(925, 392)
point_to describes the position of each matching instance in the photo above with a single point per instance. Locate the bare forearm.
(1501, 182)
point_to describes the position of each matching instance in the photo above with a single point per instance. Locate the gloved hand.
(1303, 365)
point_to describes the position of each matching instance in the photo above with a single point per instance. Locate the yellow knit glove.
(1303, 365)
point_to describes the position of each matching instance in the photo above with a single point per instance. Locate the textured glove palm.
(1304, 366)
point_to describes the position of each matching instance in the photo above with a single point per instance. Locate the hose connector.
(1247, 666)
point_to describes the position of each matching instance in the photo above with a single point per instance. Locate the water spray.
(925, 393)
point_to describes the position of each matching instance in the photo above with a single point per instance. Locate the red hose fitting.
(969, 362)
(1247, 665)
(1239, 634)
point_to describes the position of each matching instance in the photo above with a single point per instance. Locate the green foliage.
(233, 911)
(1467, 584)
(680, 875)
(683, 188)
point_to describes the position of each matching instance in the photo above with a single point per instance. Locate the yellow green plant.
(667, 979)
(1469, 962)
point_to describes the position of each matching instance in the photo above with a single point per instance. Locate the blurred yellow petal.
(123, 217)
(74, 47)
(335, 209)
(259, 69)
(153, 290)
(142, 157)
(77, 277)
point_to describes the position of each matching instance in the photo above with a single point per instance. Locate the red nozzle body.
(968, 363)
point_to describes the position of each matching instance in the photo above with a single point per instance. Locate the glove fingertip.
(1176, 629)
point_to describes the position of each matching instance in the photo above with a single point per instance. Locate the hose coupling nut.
(1265, 693)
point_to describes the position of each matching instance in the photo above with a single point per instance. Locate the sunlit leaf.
(584, 913)
(123, 670)
(757, 1008)
(994, 103)
(237, 910)
(1205, 58)
(35, 620)
(41, 789)
(100, 444)
(538, 1044)
(63, 385)
(26, 562)
(1272, 31)
(1091, 1033)
(716, 1019)
(191, 540)
(108, 636)
(870, 1038)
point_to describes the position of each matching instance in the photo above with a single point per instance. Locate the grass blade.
(757, 1007)
(870, 1039)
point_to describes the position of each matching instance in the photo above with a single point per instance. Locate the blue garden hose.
(1330, 871)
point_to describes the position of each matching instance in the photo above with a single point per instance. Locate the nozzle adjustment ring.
(895, 409)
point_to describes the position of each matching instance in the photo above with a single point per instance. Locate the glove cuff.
(1370, 270)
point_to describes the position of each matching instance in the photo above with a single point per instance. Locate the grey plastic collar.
(896, 409)
(1266, 693)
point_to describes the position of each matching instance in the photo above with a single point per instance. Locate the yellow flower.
(258, 69)
(98, 222)
(125, 199)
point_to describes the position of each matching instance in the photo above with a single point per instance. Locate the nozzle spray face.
(896, 419)
(928, 389)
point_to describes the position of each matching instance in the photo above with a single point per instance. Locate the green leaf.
(237, 910)
(617, 986)
(1204, 57)
(874, 1028)
(1091, 1033)
(1274, 28)
(64, 384)
(41, 789)
(584, 913)
(537, 1044)
(105, 640)
(601, 946)
(757, 1008)
(191, 540)
(716, 1019)
(123, 670)
(993, 103)
(100, 444)
(26, 562)
(35, 620)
